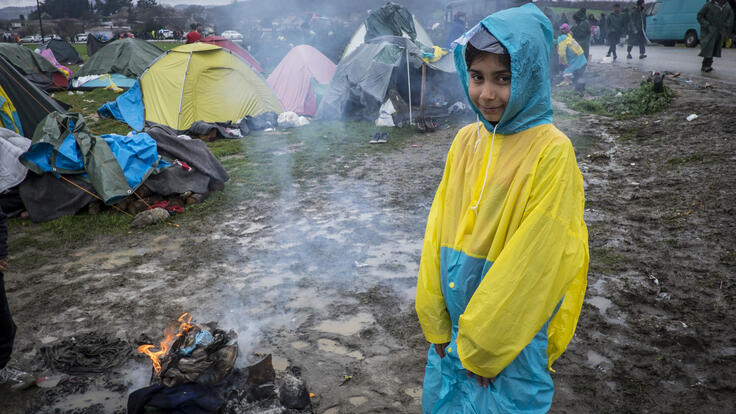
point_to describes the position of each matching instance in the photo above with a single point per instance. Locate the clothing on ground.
(505, 248)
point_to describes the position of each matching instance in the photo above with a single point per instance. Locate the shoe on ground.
(615, 57)
(608, 54)
(629, 56)
(708, 69)
(642, 56)
(16, 379)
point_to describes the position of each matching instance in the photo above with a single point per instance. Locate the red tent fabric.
(292, 78)
(222, 42)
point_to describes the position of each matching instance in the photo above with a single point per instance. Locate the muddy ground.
(322, 273)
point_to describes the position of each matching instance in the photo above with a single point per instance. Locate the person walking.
(581, 31)
(716, 19)
(637, 31)
(614, 27)
(9, 376)
(504, 262)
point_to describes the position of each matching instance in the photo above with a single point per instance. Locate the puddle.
(346, 327)
(328, 345)
(358, 401)
(597, 360)
(110, 401)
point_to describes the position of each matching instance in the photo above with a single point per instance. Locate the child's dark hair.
(472, 53)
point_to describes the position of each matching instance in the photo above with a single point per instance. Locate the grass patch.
(629, 103)
(685, 160)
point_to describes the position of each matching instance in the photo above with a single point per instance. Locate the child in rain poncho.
(505, 256)
(571, 55)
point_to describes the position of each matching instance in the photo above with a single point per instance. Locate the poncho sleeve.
(430, 302)
(545, 260)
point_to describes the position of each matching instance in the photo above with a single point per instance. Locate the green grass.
(618, 103)
(262, 164)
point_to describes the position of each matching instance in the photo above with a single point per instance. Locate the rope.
(65, 128)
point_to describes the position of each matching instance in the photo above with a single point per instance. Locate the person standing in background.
(9, 376)
(193, 35)
(637, 30)
(614, 27)
(581, 31)
(457, 28)
(716, 19)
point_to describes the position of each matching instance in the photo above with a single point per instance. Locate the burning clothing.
(505, 256)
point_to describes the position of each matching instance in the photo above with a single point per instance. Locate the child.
(571, 56)
(505, 256)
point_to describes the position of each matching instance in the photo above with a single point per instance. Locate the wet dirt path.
(322, 275)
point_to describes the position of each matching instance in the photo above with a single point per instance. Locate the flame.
(171, 333)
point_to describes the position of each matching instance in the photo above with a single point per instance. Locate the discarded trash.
(379, 138)
(148, 217)
(51, 381)
(708, 85)
(691, 117)
(291, 120)
(359, 265)
(90, 353)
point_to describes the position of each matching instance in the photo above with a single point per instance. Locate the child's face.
(490, 85)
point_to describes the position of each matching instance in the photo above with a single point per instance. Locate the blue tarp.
(136, 155)
(127, 108)
(119, 80)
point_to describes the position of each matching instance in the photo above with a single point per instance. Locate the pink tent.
(292, 78)
(222, 42)
(49, 55)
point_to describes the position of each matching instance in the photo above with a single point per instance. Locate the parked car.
(232, 35)
(165, 34)
(80, 38)
(31, 39)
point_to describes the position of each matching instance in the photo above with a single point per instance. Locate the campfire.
(192, 352)
(196, 362)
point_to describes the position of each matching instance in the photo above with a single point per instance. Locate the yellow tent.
(203, 82)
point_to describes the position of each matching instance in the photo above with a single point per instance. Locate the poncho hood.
(526, 33)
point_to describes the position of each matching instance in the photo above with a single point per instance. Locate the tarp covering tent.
(115, 165)
(48, 54)
(63, 51)
(223, 42)
(31, 104)
(294, 79)
(34, 67)
(364, 79)
(94, 44)
(128, 57)
(107, 80)
(198, 82)
(390, 20)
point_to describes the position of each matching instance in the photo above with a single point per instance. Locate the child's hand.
(440, 349)
(3, 263)
(482, 381)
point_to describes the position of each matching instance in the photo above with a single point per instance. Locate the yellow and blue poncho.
(505, 256)
(571, 53)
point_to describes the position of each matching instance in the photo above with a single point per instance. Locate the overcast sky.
(6, 3)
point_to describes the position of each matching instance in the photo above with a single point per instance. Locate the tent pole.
(181, 95)
(421, 99)
(408, 79)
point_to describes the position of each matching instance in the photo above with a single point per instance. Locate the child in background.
(505, 256)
